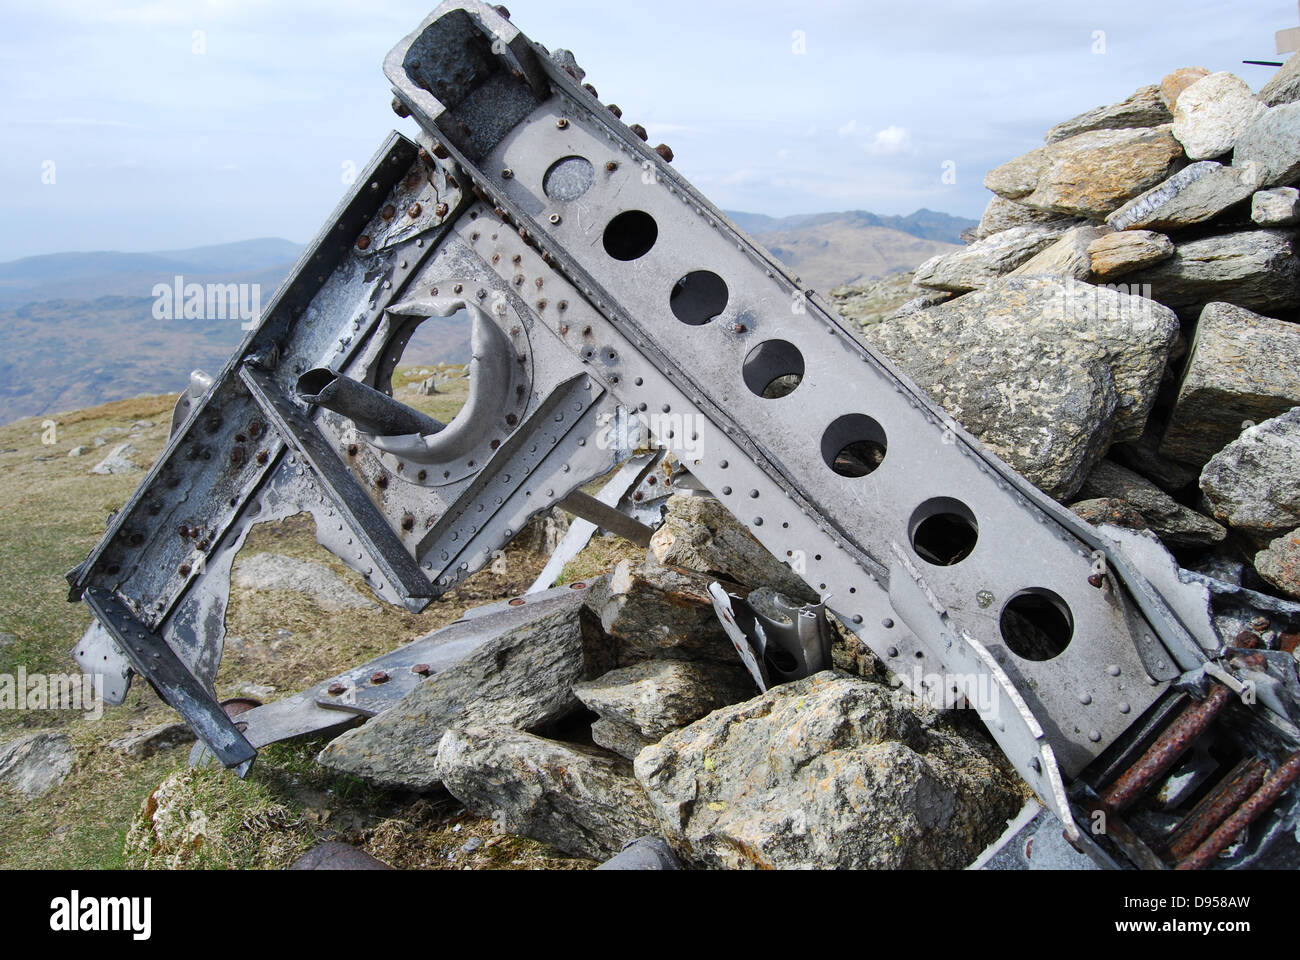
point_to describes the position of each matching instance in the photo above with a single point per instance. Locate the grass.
(119, 811)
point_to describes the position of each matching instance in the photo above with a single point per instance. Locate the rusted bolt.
(184, 531)
(538, 283)
(379, 676)
(363, 242)
(507, 173)
(652, 480)
(614, 109)
(440, 209)
(255, 429)
(591, 90)
(494, 444)
(388, 212)
(381, 481)
(401, 109)
(422, 670)
(578, 585)
(422, 475)
(414, 210)
(639, 131)
(184, 569)
(586, 331)
(496, 258)
(237, 456)
(1098, 580)
(739, 327)
(408, 523)
(352, 449)
(500, 8)
(518, 602)
(336, 689)
(562, 124)
(563, 305)
(665, 151)
(638, 495)
(204, 544)
(564, 329)
(262, 458)
(541, 304)
(440, 151)
(611, 166)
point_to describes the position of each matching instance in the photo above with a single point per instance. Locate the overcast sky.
(176, 124)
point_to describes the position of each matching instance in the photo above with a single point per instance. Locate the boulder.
(621, 738)
(700, 534)
(655, 697)
(1273, 141)
(271, 571)
(36, 764)
(145, 743)
(1279, 207)
(581, 800)
(1067, 257)
(1091, 174)
(1283, 86)
(1212, 113)
(1242, 367)
(1279, 564)
(1179, 527)
(1003, 214)
(1256, 269)
(1110, 512)
(650, 611)
(1046, 373)
(117, 461)
(1115, 254)
(1144, 108)
(1253, 483)
(1175, 83)
(827, 772)
(985, 260)
(522, 679)
(1192, 195)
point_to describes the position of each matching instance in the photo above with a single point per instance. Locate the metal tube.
(1166, 750)
(372, 411)
(1227, 796)
(1244, 816)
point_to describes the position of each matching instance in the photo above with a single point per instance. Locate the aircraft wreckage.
(619, 318)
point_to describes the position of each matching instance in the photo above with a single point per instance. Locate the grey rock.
(700, 534)
(1279, 564)
(580, 800)
(1173, 84)
(1091, 174)
(1279, 207)
(1253, 483)
(621, 738)
(1283, 86)
(1115, 254)
(79, 451)
(117, 461)
(650, 611)
(523, 678)
(655, 697)
(1273, 141)
(826, 772)
(1046, 373)
(1242, 367)
(1256, 269)
(1003, 214)
(985, 260)
(1018, 176)
(928, 299)
(271, 571)
(1067, 257)
(1110, 512)
(1144, 108)
(36, 764)
(145, 743)
(1179, 527)
(1192, 195)
(1212, 113)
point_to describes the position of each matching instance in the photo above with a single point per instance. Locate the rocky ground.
(1121, 329)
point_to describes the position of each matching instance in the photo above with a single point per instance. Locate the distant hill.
(828, 249)
(77, 329)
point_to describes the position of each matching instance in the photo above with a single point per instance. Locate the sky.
(161, 125)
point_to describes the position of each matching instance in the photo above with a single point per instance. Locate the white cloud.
(890, 141)
(848, 128)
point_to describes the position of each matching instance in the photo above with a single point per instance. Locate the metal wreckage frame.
(618, 318)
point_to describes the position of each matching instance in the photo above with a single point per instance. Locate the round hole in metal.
(568, 178)
(773, 369)
(854, 445)
(698, 297)
(1037, 624)
(943, 531)
(630, 235)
